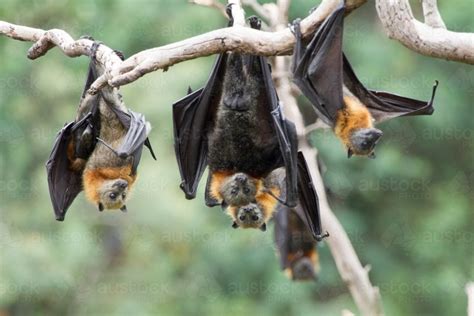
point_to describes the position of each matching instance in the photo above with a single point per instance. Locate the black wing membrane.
(317, 68)
(321, 70)
(308, 200)
(135, 138)
(286, 134)
(282, 238)
(192, 117)
(384, 105)
(64, 184)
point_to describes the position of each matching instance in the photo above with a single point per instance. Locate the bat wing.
(286, 135)
(192, 117)
(282, 238)
(136, 137)
(64, 183)
(384, 105)
(317, 68)
(308, 200)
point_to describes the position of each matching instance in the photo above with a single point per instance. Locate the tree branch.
(470, 298)
(241, 39)
(366, 296)
(430, 39)
(431, 13)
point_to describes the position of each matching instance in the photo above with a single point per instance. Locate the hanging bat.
(295, 244)
(295, 237)
(235, 126)
(326, 78)
(99, 151)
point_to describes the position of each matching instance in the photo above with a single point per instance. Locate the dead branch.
(353, 273)
(430, 38)
(240, 39)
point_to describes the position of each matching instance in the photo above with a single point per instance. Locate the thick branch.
(435, 41)
(240, 39)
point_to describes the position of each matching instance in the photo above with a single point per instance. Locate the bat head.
(113, 194)
(363, 141)
(248, 216)
(303, 270)
(239, 189)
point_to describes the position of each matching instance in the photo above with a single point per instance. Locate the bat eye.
(246, 190)
(255, 218)
(113, 196)
(234, 191)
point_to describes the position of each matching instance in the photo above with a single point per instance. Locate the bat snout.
(120, 184)
(249, 217)
(242, 179)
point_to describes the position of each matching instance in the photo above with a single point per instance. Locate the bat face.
(248, 216)
(363, 141)
(303, 270)
(113, 194)
(239, 189)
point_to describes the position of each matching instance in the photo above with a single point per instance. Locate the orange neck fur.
(353, 116)
(93, 179)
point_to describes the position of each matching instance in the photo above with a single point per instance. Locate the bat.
(234, 125)
(99, 151)
(325, 76)
(295, 238)
(295, 244)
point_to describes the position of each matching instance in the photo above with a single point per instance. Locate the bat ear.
(372, 155)
(124, 208)
(235, 225)
(349, 153)
(263, 227)
(101, 207)
(224, 205)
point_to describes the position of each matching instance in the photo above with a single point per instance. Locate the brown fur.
(266, 202)
(353, 116)
(103, 164)
(75, 164)
(94, 178)
(217, 180)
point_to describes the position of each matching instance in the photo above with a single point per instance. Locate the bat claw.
(295, 26)
(321, 237)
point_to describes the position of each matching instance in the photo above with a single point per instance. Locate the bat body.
(295, 244)
(235, 126)
(327, 79)
(98, 152)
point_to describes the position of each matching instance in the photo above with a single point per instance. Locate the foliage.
(408, 213)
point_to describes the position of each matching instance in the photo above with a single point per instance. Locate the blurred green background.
(409, 213)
